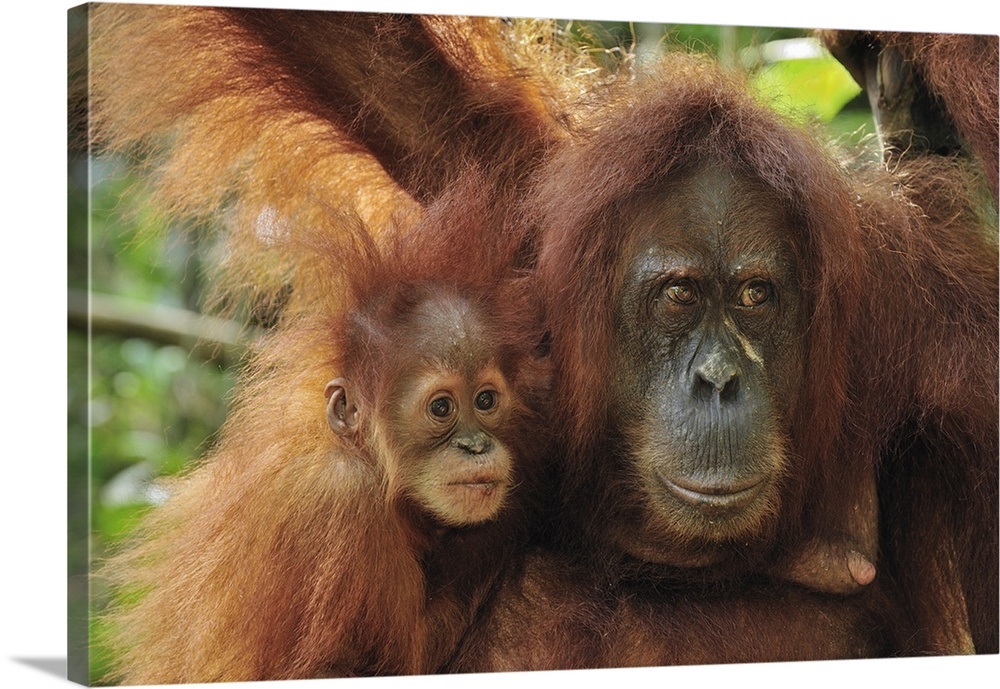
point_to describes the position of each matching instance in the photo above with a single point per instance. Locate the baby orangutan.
(432, 402)
(448, 401)
(296, 552)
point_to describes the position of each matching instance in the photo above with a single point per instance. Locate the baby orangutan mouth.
(485, 486)
(487, 491)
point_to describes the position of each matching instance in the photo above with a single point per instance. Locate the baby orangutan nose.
(474, 443)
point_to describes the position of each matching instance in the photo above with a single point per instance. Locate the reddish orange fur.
(561, 614)
(279, 555)
(895, 267)
(929, 418)
(207, 96)
(962, 71)
(225, 113)
(671, 122)
(286, 553)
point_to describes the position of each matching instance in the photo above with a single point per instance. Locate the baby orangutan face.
(447, 443)
(442, 431)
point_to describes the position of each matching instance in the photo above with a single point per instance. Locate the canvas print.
(407, 344)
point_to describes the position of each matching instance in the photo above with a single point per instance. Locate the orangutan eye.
(681, 292)
(486, 400)
(441, 407)
(755, 293)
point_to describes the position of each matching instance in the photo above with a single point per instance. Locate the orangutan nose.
(718, 376)
(474, 444)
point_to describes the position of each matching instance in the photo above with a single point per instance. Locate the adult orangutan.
(747, 342)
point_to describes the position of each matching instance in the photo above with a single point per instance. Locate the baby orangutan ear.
(341, 411)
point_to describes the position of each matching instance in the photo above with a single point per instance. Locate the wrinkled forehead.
(712, 212)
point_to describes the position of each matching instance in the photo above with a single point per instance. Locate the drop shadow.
(50, 666)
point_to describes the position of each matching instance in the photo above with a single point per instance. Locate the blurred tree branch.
(207, 337)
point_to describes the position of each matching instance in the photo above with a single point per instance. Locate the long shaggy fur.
(270, 558)
(924, 399)
(670, 123)
(232, 122)
(960, 71)
(284, 555)
(897, 268)
(271, 561)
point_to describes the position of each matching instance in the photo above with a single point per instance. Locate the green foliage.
(140, 409)
(807, 88)
(695, 37)
(149, 403)
(811, 88)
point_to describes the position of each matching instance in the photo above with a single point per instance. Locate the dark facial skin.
(442, 421)
(708, 359)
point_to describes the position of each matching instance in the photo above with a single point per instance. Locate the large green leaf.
(806, 88)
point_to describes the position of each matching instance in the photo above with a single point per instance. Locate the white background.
(33, 266)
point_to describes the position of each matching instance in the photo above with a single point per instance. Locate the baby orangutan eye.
(486, 400)
(441, 407)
